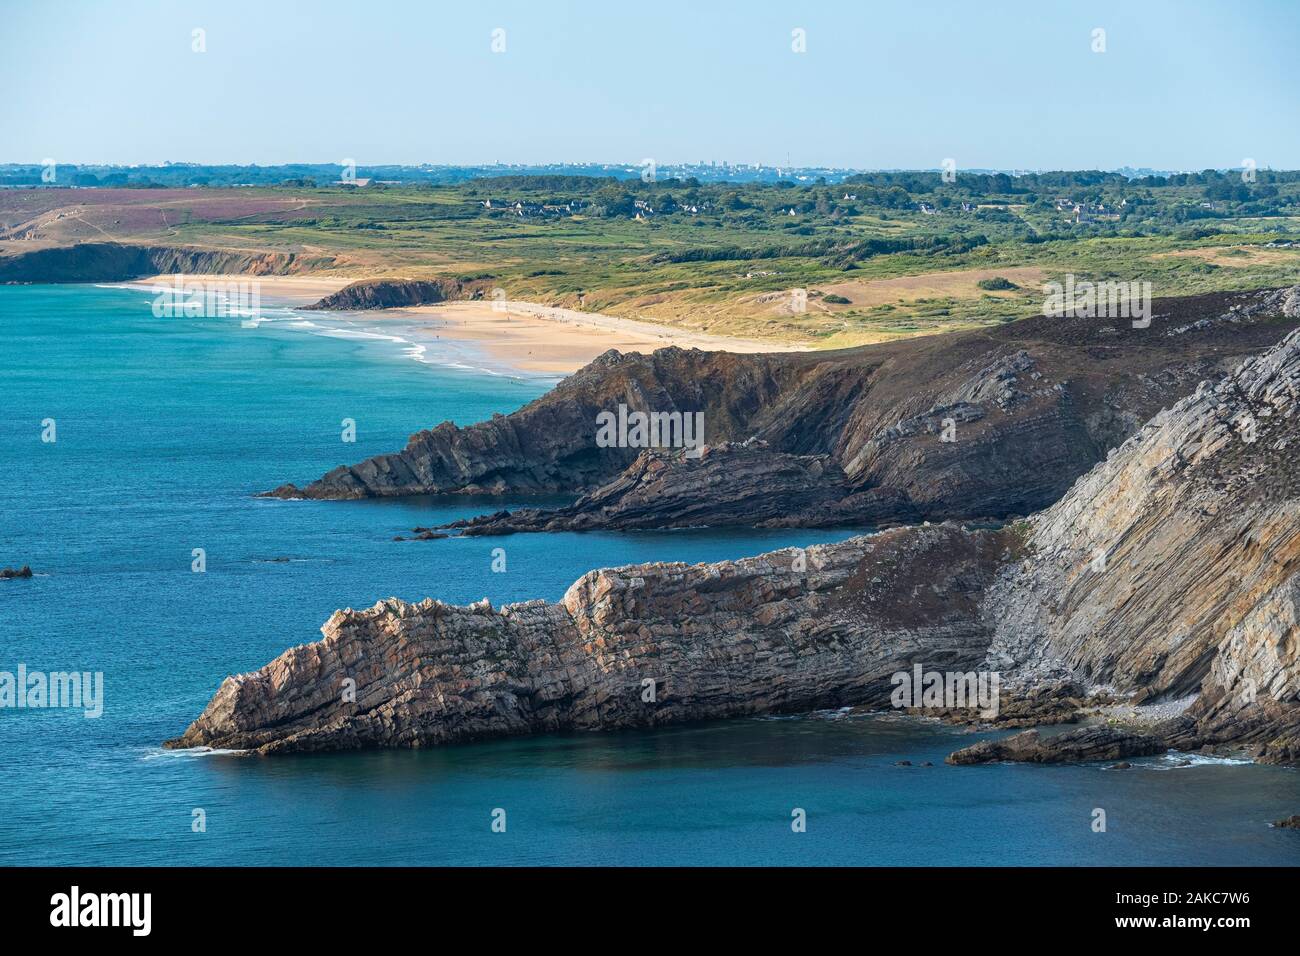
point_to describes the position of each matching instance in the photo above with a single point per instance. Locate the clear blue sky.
(1182, 85)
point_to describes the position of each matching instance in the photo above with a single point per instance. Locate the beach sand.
(547, 340)
(274, 290)
(522, 336)
(555, 341)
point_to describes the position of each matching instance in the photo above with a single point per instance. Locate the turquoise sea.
(166, 427)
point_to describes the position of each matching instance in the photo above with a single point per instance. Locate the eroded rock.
(644, 645)
(1072, 746)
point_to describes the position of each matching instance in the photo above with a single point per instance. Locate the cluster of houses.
(928, 210)
(1087, 211)
(520, 208)
(644, 208)
(360, 182)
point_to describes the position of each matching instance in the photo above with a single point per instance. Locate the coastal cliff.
(994, 423)
(1170, 570)
(1166, 576)
(119, 262)
(549, 445)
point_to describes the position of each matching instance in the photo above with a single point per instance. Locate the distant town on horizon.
(187, 173)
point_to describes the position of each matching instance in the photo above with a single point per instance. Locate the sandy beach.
(546, 340)
(520, 336)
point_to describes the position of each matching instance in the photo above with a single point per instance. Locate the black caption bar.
(337, 905)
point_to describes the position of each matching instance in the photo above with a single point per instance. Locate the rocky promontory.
(638, 646)
(993, 423)
(398, 293)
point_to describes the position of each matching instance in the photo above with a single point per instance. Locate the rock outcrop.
(1082, 745)
(8, 574)
(637, 646)
(1169, 572)
(397, 293)
(987, 424)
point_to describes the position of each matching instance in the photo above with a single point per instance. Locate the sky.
(879, 85)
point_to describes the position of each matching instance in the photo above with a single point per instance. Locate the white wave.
(410, 347)
(291, 560)
(359, 334)
(190, 753)
(1178, 760)
(839, 713)
(132, 286)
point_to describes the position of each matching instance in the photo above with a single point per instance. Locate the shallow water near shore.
(167, 427)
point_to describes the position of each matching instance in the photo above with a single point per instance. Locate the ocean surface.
(165, 429)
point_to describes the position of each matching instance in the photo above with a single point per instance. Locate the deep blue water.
(165, 430)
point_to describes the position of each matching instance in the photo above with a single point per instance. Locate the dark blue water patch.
(708, 794)
(167, 428)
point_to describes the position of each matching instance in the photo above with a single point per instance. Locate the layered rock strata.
(720, 484)
(639, 646)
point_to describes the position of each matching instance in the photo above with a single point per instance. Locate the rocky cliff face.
(1167, 575)
(638, 646)
(1171, 568)
(993, 423)
(117, 262)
